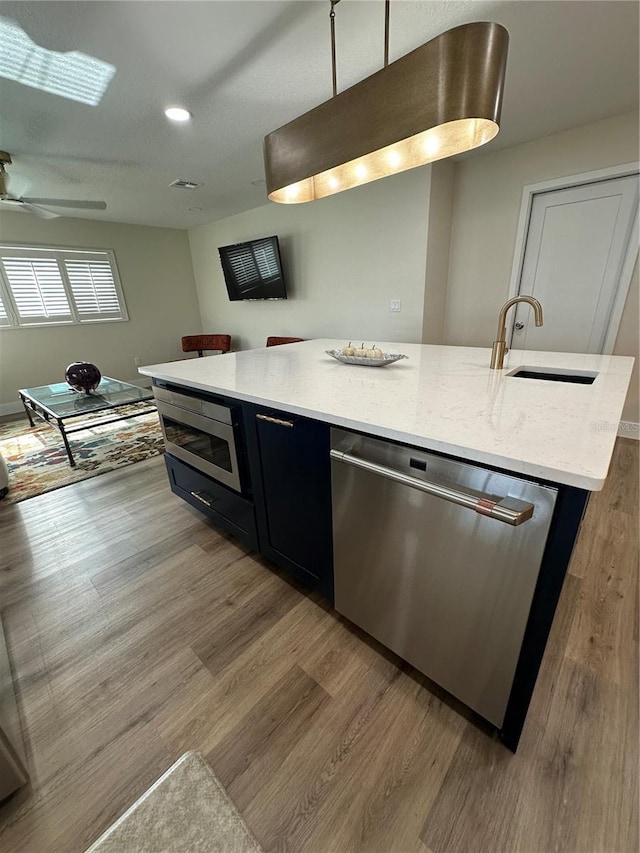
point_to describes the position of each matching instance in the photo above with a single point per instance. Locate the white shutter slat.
(37, 288)
(93, 287)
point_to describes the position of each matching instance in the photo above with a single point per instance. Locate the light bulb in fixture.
(334, 183)
(431, 146)
(394, 159)
(177, 114)
(361, 171)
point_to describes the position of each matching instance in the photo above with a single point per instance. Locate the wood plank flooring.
(137, 631)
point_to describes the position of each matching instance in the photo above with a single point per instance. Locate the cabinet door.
(291, 477)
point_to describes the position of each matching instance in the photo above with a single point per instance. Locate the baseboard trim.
(629, 429)
(10, 409)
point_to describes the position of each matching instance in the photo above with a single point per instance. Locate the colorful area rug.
(38, 462)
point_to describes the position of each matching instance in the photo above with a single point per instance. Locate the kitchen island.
(441, 398)
(525, 451)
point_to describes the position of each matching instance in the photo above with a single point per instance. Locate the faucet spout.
(500, 343)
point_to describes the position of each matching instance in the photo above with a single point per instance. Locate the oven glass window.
(209, 447)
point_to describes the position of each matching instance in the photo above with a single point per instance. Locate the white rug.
(186, 811)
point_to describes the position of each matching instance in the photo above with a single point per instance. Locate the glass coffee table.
(58, 404)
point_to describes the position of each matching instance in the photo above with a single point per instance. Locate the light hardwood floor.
(137, 631)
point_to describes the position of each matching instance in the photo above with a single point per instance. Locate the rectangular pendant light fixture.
(441, 99)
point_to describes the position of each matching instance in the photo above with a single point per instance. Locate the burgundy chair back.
(273, 341)
(199, 343)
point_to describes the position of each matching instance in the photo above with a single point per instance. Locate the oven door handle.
(194, 404)
(201, 422)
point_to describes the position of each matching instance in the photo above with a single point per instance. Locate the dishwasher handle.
(509, 510)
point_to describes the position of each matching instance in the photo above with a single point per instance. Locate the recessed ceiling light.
(195, 209)
(259, 182)
(177, 114)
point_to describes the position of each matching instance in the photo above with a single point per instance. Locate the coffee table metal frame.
(34, 406)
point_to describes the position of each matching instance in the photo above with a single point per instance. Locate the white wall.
(345, 257)
(157, 278)
(487, 197)
(438, 243)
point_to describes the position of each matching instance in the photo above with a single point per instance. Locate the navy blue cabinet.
(291, 482)
(224, 507)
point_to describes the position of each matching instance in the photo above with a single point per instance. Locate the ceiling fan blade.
(67, 202)
(40, 212)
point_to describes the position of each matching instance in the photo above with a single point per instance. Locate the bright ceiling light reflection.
(70, 75)
(394, 159)
(361, 171)
(334, 183)
(177, 114)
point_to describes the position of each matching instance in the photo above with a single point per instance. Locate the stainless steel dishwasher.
(438, 560)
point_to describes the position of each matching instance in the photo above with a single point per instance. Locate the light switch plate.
(395, 305)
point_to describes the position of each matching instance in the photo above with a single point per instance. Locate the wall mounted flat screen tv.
(253, 270)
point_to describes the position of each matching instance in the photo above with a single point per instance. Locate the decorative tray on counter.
(388, 358)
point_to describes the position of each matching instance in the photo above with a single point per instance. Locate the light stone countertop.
(441, 398)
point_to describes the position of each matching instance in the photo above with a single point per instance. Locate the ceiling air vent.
(185, 185)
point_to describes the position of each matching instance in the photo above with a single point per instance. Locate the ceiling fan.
(33, 205)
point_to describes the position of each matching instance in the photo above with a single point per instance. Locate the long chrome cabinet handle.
(277, 421)
(509, 510)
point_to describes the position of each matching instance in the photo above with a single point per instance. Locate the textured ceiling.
(244, 68)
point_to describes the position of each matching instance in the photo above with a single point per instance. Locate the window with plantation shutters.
(93, 288)
(36, 289)
(40, 285)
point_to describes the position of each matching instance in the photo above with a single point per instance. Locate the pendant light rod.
(386, 32)
(332, 18)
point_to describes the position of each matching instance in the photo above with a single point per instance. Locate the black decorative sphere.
(83, 376)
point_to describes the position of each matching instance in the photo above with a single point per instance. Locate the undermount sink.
(552, 374)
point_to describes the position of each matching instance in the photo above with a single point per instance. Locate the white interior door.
(576, 245)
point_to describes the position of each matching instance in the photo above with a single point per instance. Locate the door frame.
(529, 191)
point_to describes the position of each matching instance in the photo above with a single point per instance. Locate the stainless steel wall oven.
(201, 431)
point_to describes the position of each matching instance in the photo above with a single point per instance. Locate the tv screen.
(253, 270)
